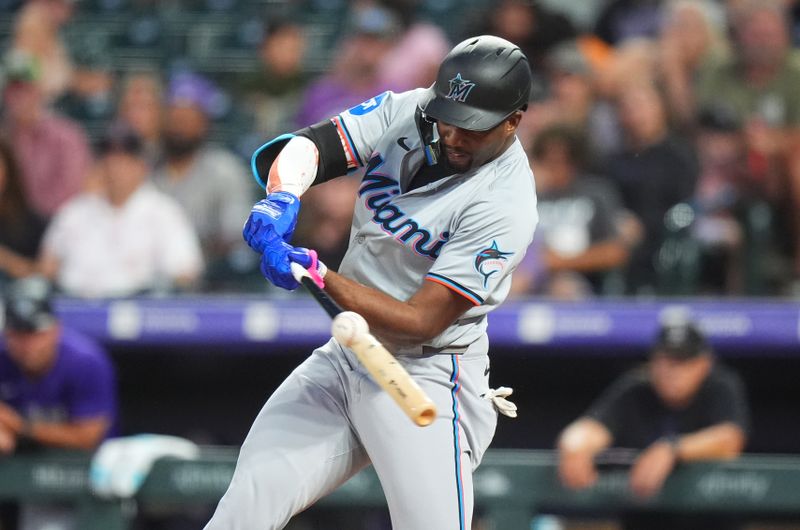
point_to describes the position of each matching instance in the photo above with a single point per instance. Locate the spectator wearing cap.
(57, 388)
(128, 239)
(209, 182)
(681, 406)
(53, 151)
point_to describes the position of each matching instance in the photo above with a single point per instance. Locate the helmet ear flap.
(426, 127)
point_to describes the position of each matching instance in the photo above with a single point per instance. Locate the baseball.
(347, 327)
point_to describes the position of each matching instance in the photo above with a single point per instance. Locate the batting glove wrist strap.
(317, 270)
(308, 260)
(277, 213)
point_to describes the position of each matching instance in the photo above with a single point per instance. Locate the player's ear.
(512, 122)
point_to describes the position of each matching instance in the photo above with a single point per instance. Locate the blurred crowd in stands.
(664, 136)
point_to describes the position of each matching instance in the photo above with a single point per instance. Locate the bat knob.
(426, 416)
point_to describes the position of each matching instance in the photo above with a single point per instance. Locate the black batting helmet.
(481, 82)
(27, 304)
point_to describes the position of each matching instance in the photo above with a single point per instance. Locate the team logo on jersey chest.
(490, 261)
(378, 191)
(460, 88)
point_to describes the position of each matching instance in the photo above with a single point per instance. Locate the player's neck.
(427, 174)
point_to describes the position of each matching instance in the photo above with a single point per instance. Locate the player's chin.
(459, 161)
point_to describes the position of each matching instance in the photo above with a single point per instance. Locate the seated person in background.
(129, 239)
(721, 202)
(272, 91)
(579, 220)
(52, 151)
(683, 406)
(656, 170)
(209, 182)
(21, 229)
(758, 84)
(57, 387)
(140, 107)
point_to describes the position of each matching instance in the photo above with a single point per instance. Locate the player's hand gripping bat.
(352, 331)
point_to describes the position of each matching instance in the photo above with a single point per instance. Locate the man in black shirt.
(681, 406)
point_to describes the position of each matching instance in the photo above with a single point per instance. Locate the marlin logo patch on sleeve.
(367, 106)
(490, 261)
(460, 88)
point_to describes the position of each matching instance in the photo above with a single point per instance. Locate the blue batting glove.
(275, 268)
(275, 263)
(278, 212)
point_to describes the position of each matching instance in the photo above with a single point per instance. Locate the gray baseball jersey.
(467, 231)
(329, 419)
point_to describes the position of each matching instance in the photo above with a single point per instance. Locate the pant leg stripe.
(457, 442)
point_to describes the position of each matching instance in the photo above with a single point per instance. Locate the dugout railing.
(511, 487)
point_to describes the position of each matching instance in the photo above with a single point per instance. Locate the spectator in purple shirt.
(57, 387)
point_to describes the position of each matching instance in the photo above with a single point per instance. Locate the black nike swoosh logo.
(402, 143)
(486, 372)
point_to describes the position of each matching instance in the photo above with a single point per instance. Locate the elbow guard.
(294, 162)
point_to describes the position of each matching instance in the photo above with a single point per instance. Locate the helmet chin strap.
(429, 136)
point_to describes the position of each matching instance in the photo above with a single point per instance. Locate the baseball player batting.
(445, 211)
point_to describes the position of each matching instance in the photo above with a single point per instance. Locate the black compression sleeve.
(332, 159)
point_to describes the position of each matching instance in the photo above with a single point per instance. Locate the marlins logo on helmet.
(460, 88)
(490, 261)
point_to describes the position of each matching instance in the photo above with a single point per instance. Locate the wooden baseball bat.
(384, 368)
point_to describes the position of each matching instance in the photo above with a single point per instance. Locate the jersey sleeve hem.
(353, 158)
(455, 286)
